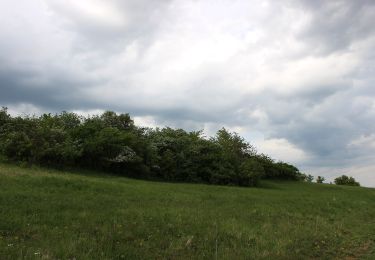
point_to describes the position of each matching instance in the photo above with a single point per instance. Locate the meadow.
(51, 214)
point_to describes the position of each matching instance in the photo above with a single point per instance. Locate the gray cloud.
(295, 73)
(335, 25)
(110, 26)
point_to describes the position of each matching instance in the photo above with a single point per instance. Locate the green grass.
(49, 214)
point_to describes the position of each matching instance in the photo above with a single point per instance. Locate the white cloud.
(97, 13)
(283, 150)
(24, 109)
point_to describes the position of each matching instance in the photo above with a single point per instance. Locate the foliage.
(309, 178)
(278, 170)
(345, 180)
(113, 143)
(250, 172)
(320, 179)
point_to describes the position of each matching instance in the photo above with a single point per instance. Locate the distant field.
(50, 214)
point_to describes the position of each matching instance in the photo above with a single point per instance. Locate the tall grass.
(51, 214)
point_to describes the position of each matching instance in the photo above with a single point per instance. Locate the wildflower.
(188, 242)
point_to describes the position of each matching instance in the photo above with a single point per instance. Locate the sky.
(294, 77)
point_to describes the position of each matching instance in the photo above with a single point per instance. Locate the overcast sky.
(295, 78)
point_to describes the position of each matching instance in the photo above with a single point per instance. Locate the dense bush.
(278, 170)
(113, 143)
(320, 179)
(345, 180)
(309, 178)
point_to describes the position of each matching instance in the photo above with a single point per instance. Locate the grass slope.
(50, 214)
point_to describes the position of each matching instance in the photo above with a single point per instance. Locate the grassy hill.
(50, 214)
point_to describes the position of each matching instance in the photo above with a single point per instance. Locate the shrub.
(113, 143)
(250, 172)
(345, 180)
(306, 177)
(320, 179)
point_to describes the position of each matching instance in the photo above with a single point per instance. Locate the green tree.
(309, 178)
(113, 143)
(345, 180)
(250, 172)
(320, 179)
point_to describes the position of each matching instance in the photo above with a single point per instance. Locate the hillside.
(84, 215)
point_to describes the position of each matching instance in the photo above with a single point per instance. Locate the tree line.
(111, 142)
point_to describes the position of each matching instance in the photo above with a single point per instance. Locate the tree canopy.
(345, 180)
(113, 143)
